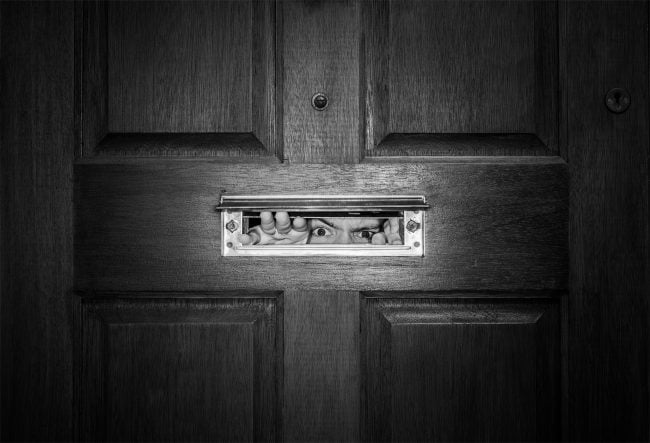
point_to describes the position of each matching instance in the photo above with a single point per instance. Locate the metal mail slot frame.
(235, 208)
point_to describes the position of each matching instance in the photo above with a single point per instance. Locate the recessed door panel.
(460, 77)
(178, 369)
(460, 369)
(171, 78)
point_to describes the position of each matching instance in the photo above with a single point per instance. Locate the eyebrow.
(333, 225)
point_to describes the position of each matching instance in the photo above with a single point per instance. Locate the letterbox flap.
(331, 203)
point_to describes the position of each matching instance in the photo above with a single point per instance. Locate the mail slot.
(307, 225)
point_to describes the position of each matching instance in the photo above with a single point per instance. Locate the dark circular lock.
(618, 100)
(319, 101)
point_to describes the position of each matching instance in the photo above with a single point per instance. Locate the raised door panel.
(460, 369)
(177, 67)
(460, 78)
(182, 369)
(171, 78)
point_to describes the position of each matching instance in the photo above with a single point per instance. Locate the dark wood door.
(473, 105)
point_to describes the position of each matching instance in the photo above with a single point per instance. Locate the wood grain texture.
(460, 144)
(263, 76)
(547, 88)
(182, 369)
(321, 372)
(607, 47)
(179, 66)
(320, 50)
(37, 140)
(460, 67)
(153, 226)
(460, 369)
(376, 41)
(92, 68)
(181, 145)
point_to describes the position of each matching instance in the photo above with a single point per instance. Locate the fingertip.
(244, 239)
(378, 239)
(267, 222)
(282, 222)
(300, 224)
(252, 238)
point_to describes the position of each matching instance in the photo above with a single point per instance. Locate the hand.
(278, 231)
(392, 232)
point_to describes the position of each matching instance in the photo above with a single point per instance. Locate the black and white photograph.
(324, 221)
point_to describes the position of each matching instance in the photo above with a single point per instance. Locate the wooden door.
(485, 337)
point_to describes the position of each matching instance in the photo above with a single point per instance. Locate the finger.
(267, 223)
(391, 229)
(252, 238)
(282, 222)
(379, 239)
(300, 224)
(244, 239)
(391, 225)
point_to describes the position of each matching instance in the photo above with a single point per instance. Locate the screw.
(229, 244)
(232, 226)
(416, 244)
(618, 100)
(412, 226)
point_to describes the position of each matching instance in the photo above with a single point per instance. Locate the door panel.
(435, 71)
(172, 78)
(458, 369)
(435, 76)
(175, 67)
(179, 368)
(153, 226)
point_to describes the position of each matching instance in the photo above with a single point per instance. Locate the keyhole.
(617, 100)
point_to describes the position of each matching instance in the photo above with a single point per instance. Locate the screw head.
(412, 226)
(229, 244)
(618, 100)
(319, 101)
(416, 244)
(232, 226)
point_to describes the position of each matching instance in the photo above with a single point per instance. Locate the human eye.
(321, 231)
(364, 234)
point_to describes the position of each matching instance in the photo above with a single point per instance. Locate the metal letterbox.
(239, 213)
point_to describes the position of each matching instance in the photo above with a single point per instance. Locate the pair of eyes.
(326, 232)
